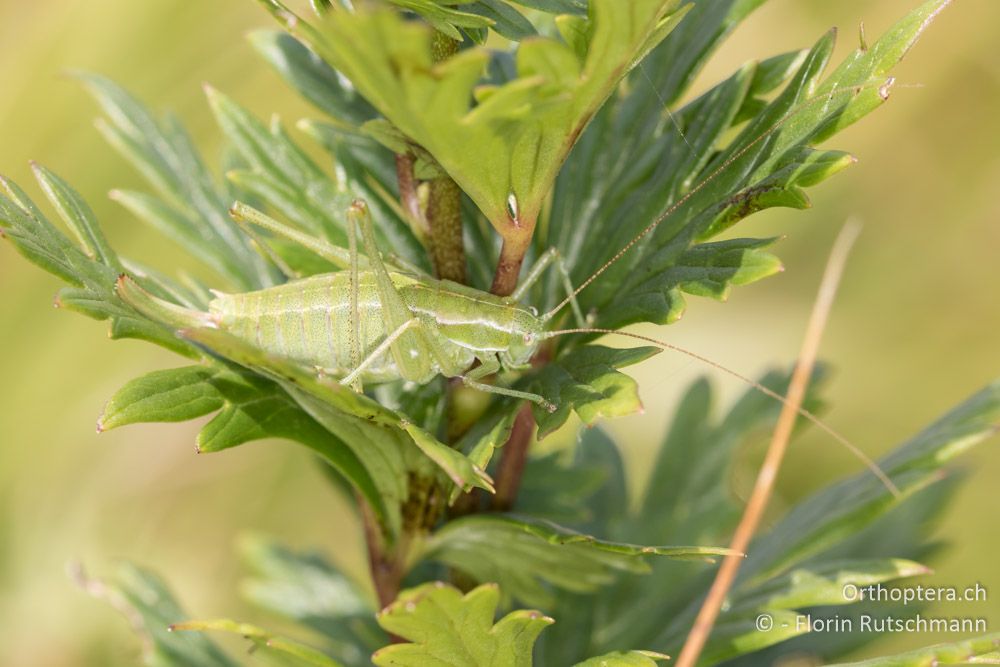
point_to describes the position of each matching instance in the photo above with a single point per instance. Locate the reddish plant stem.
(441, 224)
(384, 566)
(515, 451)
(408, 196)
(508, 270)
(513, 460)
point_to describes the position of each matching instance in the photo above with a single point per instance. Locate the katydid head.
(528, 330)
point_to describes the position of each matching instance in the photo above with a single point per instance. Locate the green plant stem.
(444, 217)
(408, 195)
(444, 205)
(384, 565)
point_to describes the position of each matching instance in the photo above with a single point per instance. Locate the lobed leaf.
(282, 175)
(91, 291)
(447, 628)
(625, 659)
(249, 408)
(688, 498)
(586, 381)
(813, 528)
(524, 129)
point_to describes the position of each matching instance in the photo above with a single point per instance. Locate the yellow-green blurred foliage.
(914, 330)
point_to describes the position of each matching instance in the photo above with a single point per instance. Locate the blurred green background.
(913, 332)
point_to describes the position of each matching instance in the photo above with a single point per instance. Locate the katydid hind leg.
(411, 348)
(354, 315)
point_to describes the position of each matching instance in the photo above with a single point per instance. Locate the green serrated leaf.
(823, 584)
(282, 175)
(783, 188)
(295, 185)
(462, 471)
(625, 659)
(171, 223)
(447, 628)
(173, 395)
(380, 438)
(767, 165)
(92, 281)
(586, 381)
(712, 269)
(651, 166)
(524, 130)
(77, 215)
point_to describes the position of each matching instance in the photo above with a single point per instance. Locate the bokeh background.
(914, 330)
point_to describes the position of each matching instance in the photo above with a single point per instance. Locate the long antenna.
(851, 447)
(883, 91)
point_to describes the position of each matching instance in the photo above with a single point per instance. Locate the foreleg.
(535, 273)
